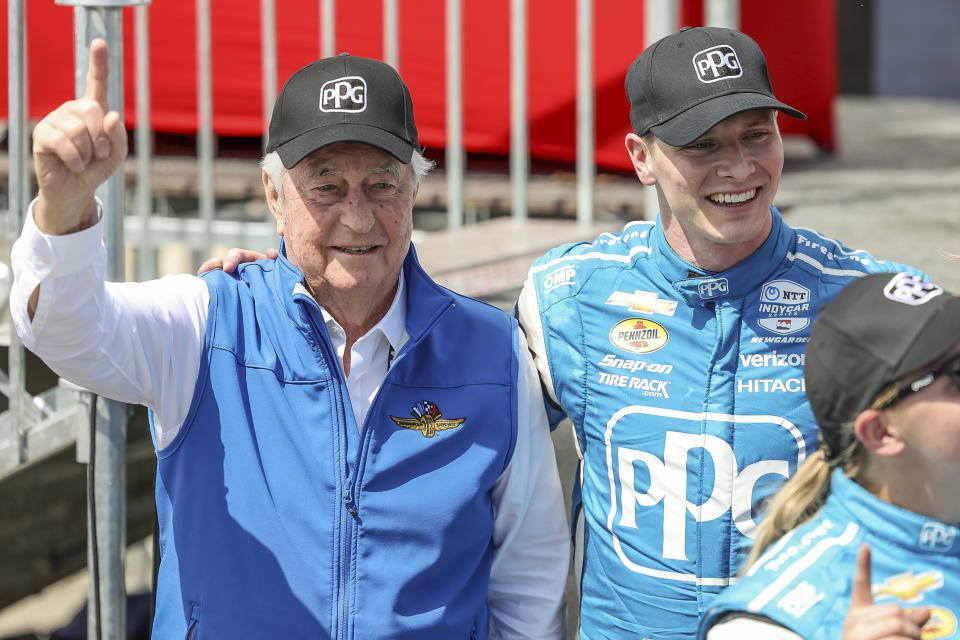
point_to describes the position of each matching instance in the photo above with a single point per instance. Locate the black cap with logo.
(877, 330)
(342, 99)
(684, 84)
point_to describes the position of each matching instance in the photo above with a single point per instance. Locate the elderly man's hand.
(76, 147)
(233, 258)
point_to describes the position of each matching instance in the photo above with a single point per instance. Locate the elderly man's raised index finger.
(98, 73)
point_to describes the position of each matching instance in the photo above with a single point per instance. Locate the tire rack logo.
(717, 63)
(732, 491)
(344, 95)
(638, 335)
(783, 301)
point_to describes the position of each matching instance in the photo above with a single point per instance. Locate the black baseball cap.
(685, 83)
(342, 99)
(878, 329)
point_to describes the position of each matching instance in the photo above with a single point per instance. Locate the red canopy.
(797, 37)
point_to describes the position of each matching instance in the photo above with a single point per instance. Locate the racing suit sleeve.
(737, 626)
(531, 546)
(528, 314)
(132, 342)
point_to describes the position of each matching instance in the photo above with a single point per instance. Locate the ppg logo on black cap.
(717, 63)
(344, 95)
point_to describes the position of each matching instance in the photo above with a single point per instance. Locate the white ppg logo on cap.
(910, 289)
(344, 95)
(717, 63)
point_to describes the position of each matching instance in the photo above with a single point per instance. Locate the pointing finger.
(861, 595)
(98, 74)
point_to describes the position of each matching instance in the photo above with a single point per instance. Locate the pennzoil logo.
(427, 419)
(638, 335)
(941, 623)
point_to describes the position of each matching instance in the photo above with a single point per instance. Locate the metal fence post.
(17, 94)
(107, 521)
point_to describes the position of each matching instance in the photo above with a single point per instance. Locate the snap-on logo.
(717, 63)
(344, 95)
(713, 288)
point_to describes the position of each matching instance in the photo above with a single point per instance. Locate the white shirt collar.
(393, 325)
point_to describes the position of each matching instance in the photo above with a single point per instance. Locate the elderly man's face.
(346, 216)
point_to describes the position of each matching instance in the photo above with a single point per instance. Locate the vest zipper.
(343, 577)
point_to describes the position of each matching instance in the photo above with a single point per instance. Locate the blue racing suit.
(686, 395)
(804, 581)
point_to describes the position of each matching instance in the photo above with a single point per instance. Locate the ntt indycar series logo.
(785, 304)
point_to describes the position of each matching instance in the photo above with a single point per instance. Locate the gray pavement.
(892, 187)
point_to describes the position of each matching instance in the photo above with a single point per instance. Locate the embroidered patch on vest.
(427, 419)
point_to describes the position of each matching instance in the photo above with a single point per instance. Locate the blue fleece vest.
(280, 519)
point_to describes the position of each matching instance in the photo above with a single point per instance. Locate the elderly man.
(345, 449)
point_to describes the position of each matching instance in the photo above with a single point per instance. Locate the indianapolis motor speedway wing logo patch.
(427, 419)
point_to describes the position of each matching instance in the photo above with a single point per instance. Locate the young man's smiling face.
(716, 192)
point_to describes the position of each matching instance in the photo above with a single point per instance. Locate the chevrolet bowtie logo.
(644, 301)
(427, 419)
(908, 586)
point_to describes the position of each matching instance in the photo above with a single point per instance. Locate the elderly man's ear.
(273, 200)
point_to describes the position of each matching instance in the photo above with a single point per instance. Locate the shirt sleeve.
(736, 627)
(531, 544)
(133, 342)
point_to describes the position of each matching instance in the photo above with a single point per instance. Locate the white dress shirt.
(142, 343)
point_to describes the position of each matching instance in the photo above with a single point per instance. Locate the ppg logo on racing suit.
(713, 287)
(663, 484)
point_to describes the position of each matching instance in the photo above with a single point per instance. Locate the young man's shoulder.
(832, 260)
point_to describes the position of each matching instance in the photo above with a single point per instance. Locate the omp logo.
(344, 95)
(713, 288)
(638, 335)
(800, 599)
(785, 292)
(640, 480)
(937, 537)
(717, 63)
(564, 276)
(910, 289)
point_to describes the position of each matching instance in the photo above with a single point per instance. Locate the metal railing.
(34, 426)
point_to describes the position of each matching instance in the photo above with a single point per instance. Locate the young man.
(339, 457)
(676, 347)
